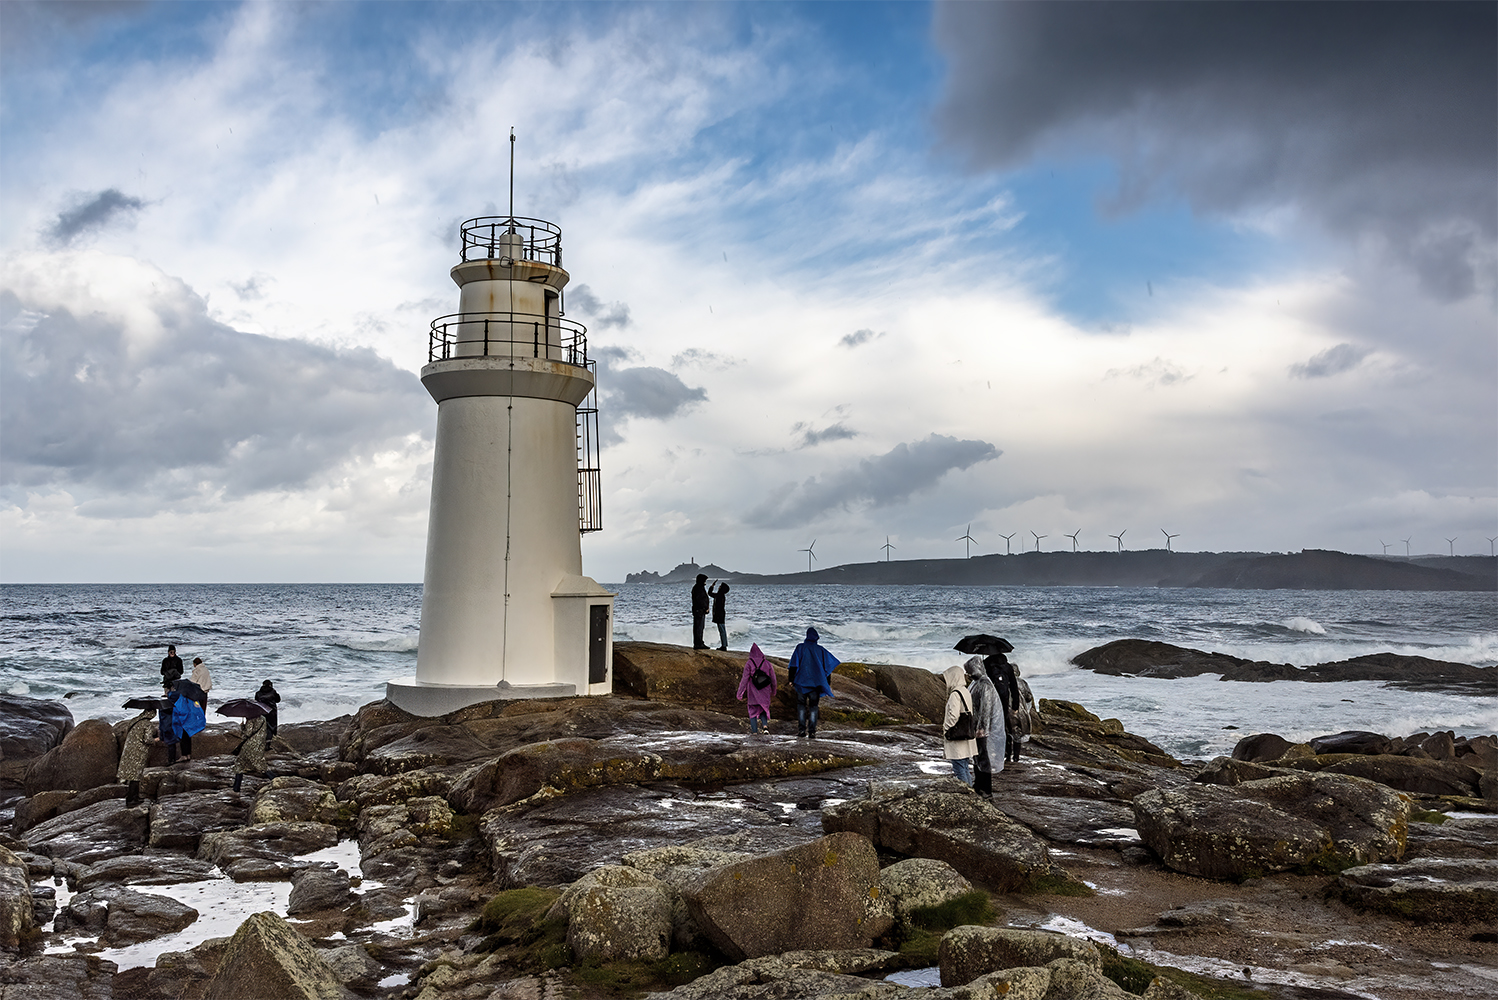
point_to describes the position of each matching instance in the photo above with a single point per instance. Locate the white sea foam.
(19, 687)
(392, 644)
(1304, 625)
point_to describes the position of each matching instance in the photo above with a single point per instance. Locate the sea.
(329, 648)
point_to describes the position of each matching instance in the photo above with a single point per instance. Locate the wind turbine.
(1406, 542)
(1168, 537)
(810, 553)
(886, 547)
(1490, 543)
(1073, 537)
(969, 539)
(1006, 538)
(1037, 540)
(1385, 545)
(1119, 538)
(1451, 546)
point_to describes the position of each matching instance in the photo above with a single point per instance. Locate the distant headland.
(1310, 569)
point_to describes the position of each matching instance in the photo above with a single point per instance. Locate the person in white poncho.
(957, 748)
(988, 717)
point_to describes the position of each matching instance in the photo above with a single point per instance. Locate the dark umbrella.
(243, 708)
(983, 645)
(151, 703)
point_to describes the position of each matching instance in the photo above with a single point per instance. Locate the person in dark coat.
(720, 613)
(270, 698)
(810, 668)
(699, 611)
(171, 667)
(165, 734)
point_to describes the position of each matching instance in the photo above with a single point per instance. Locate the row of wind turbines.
(970, 541)
(967, 537)
(1450, 545)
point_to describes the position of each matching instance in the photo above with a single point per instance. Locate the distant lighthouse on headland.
(506, 611)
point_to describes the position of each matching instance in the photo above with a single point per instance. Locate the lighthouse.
(506, 611)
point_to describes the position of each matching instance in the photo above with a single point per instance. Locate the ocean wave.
(19, 687)
(1304, 625)
(394, 644)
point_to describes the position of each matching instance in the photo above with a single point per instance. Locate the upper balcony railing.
(508, 335)
(484, 239)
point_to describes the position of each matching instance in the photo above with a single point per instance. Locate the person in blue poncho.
(188, 720)
(810, 668)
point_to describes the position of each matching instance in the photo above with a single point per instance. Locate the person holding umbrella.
(249, 758)
(138, 738)
(1004, 677)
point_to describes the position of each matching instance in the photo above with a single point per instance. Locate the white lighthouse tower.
(506, 611)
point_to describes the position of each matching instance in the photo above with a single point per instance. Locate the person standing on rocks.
(250, 757)
(1005, 678)
(188, 719)
(138, 738)
(958, 744)
(758, 685)
(202, 678)
(270, 698)
(171, 667)
(720, 613)
(988, 717)
(811, 667)
(699, 611)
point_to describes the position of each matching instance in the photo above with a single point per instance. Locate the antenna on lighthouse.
(512, 176)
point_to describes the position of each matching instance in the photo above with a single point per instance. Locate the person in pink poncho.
(758, 685)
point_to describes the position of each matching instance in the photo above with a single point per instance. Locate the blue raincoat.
(811, 665)
(187, 711)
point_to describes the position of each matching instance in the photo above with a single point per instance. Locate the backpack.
(760, 678)
(963, 729)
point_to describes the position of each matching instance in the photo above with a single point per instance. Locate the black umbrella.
(243, 708)
(152, 703)
(983, 645)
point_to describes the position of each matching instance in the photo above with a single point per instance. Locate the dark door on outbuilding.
(598, 643)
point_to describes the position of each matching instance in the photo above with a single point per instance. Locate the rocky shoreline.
(646, 844)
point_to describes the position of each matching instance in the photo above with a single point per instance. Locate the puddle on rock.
(930, 976)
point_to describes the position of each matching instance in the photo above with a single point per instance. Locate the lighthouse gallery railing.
(508, 335)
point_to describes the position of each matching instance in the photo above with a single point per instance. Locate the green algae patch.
(1053, 883)
(859, 718)
(929, 923)
(517, 918)
(1428, 816)
(634, 979)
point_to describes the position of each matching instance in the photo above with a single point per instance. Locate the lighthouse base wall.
(432, 700)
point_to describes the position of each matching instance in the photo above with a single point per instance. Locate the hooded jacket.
(270, 698)
(201, 677)
(758, 697)
(958, 701)
(988, 716)
(812, 665)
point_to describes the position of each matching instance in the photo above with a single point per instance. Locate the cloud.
(1375, 121)
(91, 212)
(880, 481)
(1332, 361)
(833, 432)
(857, 337)
(1153, 373)
(696, 357)
(642, 391)
(153, 397)
(603, 315)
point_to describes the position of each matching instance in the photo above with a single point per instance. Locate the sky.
(852, 274)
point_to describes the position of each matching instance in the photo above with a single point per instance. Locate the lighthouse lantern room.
(506, 611)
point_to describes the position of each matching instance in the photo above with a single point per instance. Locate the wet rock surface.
(1272, 824)
(624, 805)
(825, 894)
(124, 916)
(86, 758)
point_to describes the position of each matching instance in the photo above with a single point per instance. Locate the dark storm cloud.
(600, 314)
(858, 337)
(1375, 119)
(880, 481)
(91, 212)
(833, 432)
(641, 391)
(1332, 361)
(85, 404)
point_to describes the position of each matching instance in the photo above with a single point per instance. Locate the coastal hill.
(1310, 569)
